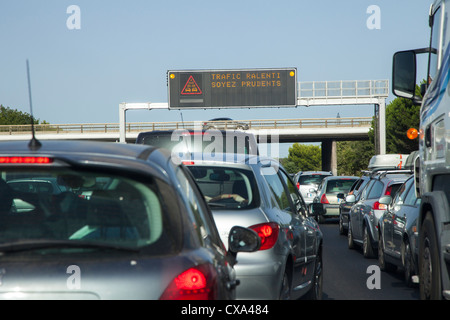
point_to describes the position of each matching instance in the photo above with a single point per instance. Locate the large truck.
(432, 167)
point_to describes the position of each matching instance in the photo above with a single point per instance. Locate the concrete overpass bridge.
(287, 130)
(326, 131)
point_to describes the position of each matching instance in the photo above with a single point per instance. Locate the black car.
(144, 232)
(344, 206)
(398, 239)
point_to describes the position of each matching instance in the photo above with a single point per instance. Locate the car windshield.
(226, 187)
(69, 207)
(339, 185)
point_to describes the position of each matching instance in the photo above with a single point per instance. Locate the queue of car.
(379, 214)
(173, 225)
(80, 219)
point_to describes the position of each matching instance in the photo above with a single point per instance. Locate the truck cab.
(432, 167)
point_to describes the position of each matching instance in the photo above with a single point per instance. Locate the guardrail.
(152, 126)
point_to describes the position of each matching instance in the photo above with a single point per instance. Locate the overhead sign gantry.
(249, 88)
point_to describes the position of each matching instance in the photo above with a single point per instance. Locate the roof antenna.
(34, 144)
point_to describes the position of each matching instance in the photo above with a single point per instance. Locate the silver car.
(307, 180)
(257, 193)
(145, 231)
(326, 195)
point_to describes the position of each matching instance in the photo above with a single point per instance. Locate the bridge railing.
(152, 126)
(343, 89)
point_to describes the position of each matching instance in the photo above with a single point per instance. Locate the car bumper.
(331, 210)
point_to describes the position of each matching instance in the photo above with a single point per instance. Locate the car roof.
(125, 156)
(341, 178)
(315, 172)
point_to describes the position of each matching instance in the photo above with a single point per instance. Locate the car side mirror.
(385, 200)
(350, 198)
(242, 239)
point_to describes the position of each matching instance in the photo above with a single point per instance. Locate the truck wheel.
(430, 269)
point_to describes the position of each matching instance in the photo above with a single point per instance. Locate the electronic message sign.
(241, 88)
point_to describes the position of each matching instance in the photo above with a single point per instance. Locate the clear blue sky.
(124, 48)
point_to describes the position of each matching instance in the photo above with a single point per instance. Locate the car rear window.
(226, 187)
(88, 206)
(339, 185)
(182, 142)
(311, 179)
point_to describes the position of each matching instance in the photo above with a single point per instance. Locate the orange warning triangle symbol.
(191, 87)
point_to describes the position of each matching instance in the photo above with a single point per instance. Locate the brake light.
(298, 185)
(379, 206)
(268, 232)
(188, 163)
(323, 199)
(388, 191)
(25, 160)
(197, 283)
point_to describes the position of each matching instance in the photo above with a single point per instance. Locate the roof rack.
(383, 173)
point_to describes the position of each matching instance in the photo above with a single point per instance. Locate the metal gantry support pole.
(382, 125)
(123, 107)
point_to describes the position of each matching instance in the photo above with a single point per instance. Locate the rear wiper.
(29, 245)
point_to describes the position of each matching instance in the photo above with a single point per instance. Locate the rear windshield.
(227, 188)
(71, 207)
(311, 179)
(339, 186)
(182, 142)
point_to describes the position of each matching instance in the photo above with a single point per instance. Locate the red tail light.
(323, 199)
(268, 232)
(26, 160)
(379, 206)
(388, 191)
(298, 185)
(197, 283)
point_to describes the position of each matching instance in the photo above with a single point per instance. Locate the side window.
(401, 195)
(376, 190)
(293, 191)
(194, 202)
(366, 190)
(277, 188)
(410, 198)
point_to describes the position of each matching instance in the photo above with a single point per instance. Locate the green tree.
(354, 156)
(401, 115)
(305, 157)
(10, 116)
